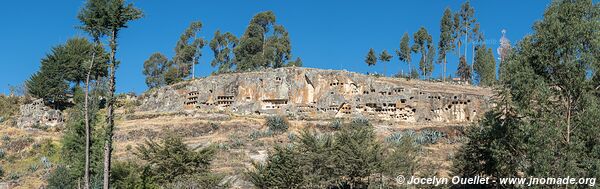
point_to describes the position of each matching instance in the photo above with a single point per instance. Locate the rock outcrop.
(322, 93)
(38, 114)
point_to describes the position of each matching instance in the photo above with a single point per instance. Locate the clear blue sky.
(325, 34)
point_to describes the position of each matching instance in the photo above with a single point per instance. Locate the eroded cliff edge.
(317, 93)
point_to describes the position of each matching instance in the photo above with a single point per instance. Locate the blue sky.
(333, 34)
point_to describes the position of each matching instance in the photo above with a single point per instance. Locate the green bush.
(277, 124)
(360, 122)
(336, 124)
(60, 178)
(170, 158)
(1, 171)
(2, 153)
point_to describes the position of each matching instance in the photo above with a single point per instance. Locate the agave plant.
(46, 162)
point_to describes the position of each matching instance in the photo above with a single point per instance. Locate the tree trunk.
(383, 62)
(466, 41)
(194, 58)
(110, 117)
(444, 71)
(569, 119)
(87, 124)
(472, 63)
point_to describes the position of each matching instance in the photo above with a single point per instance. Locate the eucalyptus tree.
(446, 42)
(384, 57)
(155, 69)
(467, 20)
(278, 47)
(404, 51)
(188, 50)
(117, 14)
(222, 46)
(422, 42)
(264, 44)
(429, 61)
(250, 53)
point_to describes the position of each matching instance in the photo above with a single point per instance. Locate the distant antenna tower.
(504, 46)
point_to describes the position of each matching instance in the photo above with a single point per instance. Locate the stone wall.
(322, 93)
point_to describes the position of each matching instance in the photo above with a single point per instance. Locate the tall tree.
(429, 62)
(49, 84)
(446, 42)
(66, 64)
(467, 19)
(118, 14)
(371, 58)
(384, 57)
(278, 48)
(188, 50)
(93, 21)
(250, 53)
(222, 46)
(456, 33)
(464, 70)
(404, 51)
(485, 66)
(476, 38)
(422, 42)
(545, 121)
(155, 69)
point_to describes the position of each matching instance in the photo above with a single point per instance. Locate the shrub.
(198, 181)
(260, 134)
(170, 158)
(360, 122)
(60, 178)
(336, 124)
(6, 138)
(214, 126)
(423, 137)
(277, 124)
(1, 171)
(2, 153)
(14, 176)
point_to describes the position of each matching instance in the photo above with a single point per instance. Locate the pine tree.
(545, 122)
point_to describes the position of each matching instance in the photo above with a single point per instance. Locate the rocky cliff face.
(37, 114)
(322, 93)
